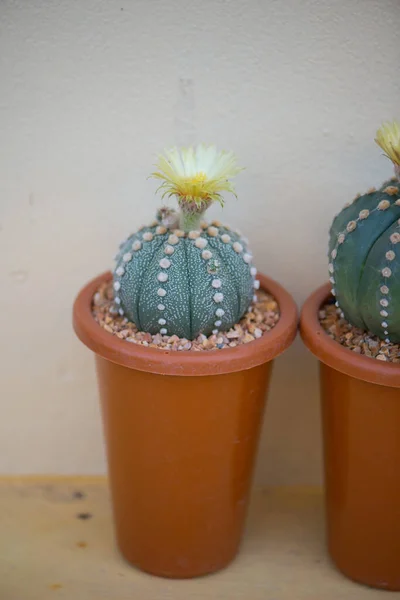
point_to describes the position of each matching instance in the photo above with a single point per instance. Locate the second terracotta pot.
(182, 430)
(360, 399)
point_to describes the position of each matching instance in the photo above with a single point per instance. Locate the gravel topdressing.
(355, 339)
(261, 318)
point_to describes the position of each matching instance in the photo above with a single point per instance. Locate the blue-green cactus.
(180, 275)
(365, 261)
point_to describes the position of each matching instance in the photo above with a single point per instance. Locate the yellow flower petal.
(388, 138)
(196, 174)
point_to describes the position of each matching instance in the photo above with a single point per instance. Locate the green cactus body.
(365, 261)
(171, 282)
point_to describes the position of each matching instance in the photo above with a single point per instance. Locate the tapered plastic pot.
(181, 432)
(361, 431)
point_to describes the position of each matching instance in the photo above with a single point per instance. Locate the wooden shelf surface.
(56, 542)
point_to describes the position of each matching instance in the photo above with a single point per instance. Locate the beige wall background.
(91, 91)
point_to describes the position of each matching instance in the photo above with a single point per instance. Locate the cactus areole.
(364, 252)
(180, 275)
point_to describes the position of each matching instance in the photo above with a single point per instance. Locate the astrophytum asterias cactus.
(364, 253)
(180, 275)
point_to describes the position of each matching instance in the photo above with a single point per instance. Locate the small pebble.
(357, 340)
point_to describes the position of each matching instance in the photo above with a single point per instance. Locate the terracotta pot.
(361, 425)
(182, 430)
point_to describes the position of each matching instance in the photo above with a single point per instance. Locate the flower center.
(200, 177)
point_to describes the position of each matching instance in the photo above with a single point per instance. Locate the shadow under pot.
(360, 398)
(181, 430)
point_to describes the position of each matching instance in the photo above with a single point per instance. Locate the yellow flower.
(388, 138)
(196, 175)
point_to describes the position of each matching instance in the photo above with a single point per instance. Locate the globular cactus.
(364, 256)
(180, 275)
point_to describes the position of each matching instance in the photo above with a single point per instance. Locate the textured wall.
(91, 91)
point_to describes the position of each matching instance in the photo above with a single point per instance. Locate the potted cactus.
(184, 342)
(352, 325)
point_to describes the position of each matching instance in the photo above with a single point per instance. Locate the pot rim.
(186, 363)
(334, 354)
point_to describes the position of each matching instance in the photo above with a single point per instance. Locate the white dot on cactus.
(384, 324)
(386, 272)
(193, 235)
(204, 224)
(216, 223)
(237, 247)
(351, 225)
(127, 257)
(253, 271)
(161, 321)
(117, 300)
(160, 230)
(173, 239)
(331, 279)
(391, 190)
(330, 268)
(136, 245)
(120, 271)
(163, 331)
(161, 292)
(398, 202)
(333, 292)
(256, 284)
(384, 289)
(161, 306)
(148, 236)
(341, 314)
(206, 254)
(216, 283)
(200, 243)
(384, 302)
(387, 340)
(395, 238)
(165, 263)
(383, 205)
(215, 331)
(220, 312)
(384, 313)
(169, 250)
(154, 224)
(226, 238)
(162, 277)
(337, 304)
(390, 255)
(121, 311)
(247, 258)
(116, 286)
(179, 233)
(386, 332)
(334, 253)
(218, 323)
(364, 214)
(341, 238)
(255, 298)
(218, 297)
(212, 231)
